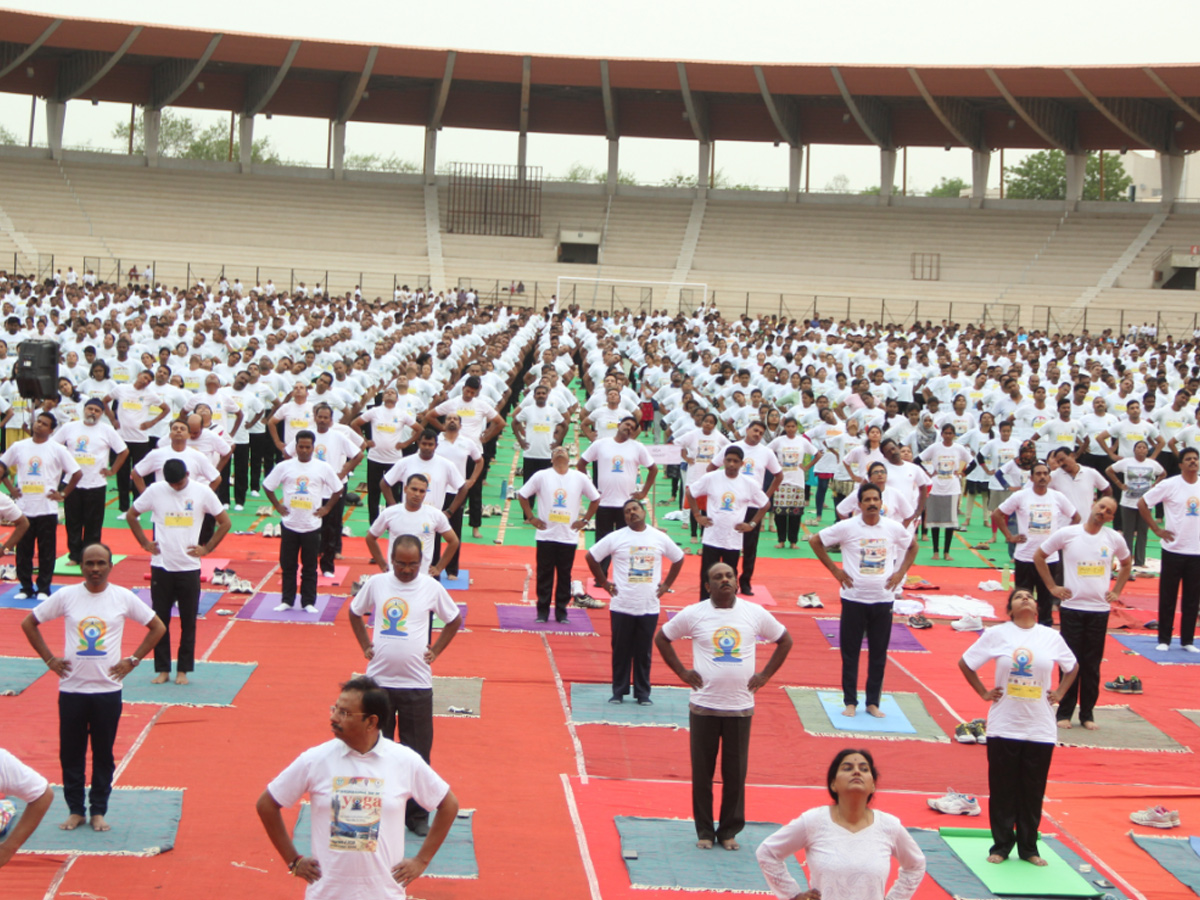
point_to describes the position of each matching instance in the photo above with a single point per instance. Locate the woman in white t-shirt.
(700, 447)
(856, 461)
(992, 457)
(945, 463)
(1138, 473)
(791, 449)
(977, 479)
(828, 437)
(1021, 731)
(848, 846)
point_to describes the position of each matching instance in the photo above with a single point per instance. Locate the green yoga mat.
(1014, 877)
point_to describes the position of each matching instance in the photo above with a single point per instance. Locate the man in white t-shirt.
(1080, 484)
(538, 428)
(416, 517)
(20, 781)
(637, 551)
(723, 678)
(617, 462)
(727, 494)
(177, 506)
(1087, 551)
(89, 441)
(359, 784)
(1179, 582)
(399, 651)
(133, 423)
(876, 555)
(90, 673)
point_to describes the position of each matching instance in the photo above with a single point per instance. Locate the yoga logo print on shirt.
(1041, 517)
(728, 643)
(558, 511)
(748, 468)
(945, 467)
(355, 808)
(92, 631)
(872, 556)
(1193, 506)
(789, 459)
(618, 464)
(727, 501)
(395, 617)
(1021, 682)
(35, 467)
(641, 565)
(1094, 568)
(183, 519)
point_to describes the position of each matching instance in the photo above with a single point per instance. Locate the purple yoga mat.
(521, 618)
(261, 608)
(902, 638)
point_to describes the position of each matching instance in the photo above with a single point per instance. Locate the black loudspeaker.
(36, 372)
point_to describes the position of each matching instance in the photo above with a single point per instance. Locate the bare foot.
(947, 557)
(704, 845)
(1090, 726)
(1065, 724)
(850, 711)
(1037, 861)
(73, 821)
(792, 546)
(731, 844)
(160, 678)
(937, 555)
(181, 678)
(996, 858)
(98, 824)
(876, 712)
(779, 546)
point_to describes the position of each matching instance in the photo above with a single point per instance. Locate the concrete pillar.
(887, 175)
(795, 165)
(981, 162)
(339, 149)
(1171, 166)
(522, 154)
(246, 142)
(610, 183)
(1076, 167)
(430, 169)
(705, 167)
(151, 120)
(56, 114)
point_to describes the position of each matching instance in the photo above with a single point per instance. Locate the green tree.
(1043, 176)
(873, 191)
(374, 162)
(182, 137)
(948, 187)
(6, 136)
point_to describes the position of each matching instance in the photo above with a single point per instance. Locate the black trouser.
(84, 514)
(375, 473)
(241, 477)
(1017, 772)
(137, 452)
(709, 556)
(1180, 578)
(306, 546)
(1084, 632)
(475, 496)
(456, 522)
(632, 644)
(554, 559)
(949, 539)
(1136, 530)
(43, 531)
(262, 452)
(82, 717)
(1025, 575)
(608, 520)
(731, 734)
(530, 467)
(749, 552)
(166, 590)
(410, 718)
(331, 533)
(787, 525)
(874, 621)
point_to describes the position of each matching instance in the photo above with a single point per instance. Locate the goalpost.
(615, 294)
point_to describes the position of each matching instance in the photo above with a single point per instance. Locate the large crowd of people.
(200, 399)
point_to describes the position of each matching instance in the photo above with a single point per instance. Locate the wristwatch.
(133, 661)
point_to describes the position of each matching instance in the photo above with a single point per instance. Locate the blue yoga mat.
(144, 823)
(461, 583)
(1176, 855)
(894, 723)
(212, 684)
(668, 859)
(19, 672)
(454, 859)
(8, 599)
(1145, 644)
(589, 705)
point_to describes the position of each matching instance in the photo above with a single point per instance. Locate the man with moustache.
(90, 442)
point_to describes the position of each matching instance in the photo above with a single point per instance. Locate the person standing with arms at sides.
(992, 457)
(250, 414)
(1137, 474)
(198, 463)
(848, 846)
(1087, 552)
(462, 452)
(479, 419)
(1077, 483)
(1020, 722)
(1171, 419)
(1180, 578)
(41, 467)
(416, 517)
(559, 493)
(386, 447)
(134, 423)
(399, 653)
(1061, 431)
(304, 483)
(335, 447)
(876, 556)
(20, 781)
(90, 672)
(945, 463)
(791, 449)
(724, 679)
(701, 447)
(538, 429)
(369, 780)
(1040, 512)
(638, 552)
(761, 466)
(727, 494)
(441, 475)
(617, 460)
(262, 448)
(177, 506)
(976, 482)
(89, 441)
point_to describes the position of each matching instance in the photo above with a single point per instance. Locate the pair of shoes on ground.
(967, 623)
(973, 732)
(36, 596)
(267, 510)
(955, 804)
(644, 701)
(560, 618)
(311, 608)
(271, 530)
(1190, 648)
(1123, 685)
(919, 621)
(1156, 817)
(810, 601)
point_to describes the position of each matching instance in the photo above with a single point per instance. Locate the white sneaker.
(311, 609)
(325, 574)
(1156, 817)
(40, 597)
(1191, 648)
(21, 595)
(955, 804)
(1162, 648)
(218, 576)
(238, 508)
(254, 494)
(346, 532)
(284, 607)
(968, 623)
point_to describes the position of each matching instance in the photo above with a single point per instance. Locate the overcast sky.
(922, 32)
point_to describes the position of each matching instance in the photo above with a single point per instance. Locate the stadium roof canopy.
(984, 108)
